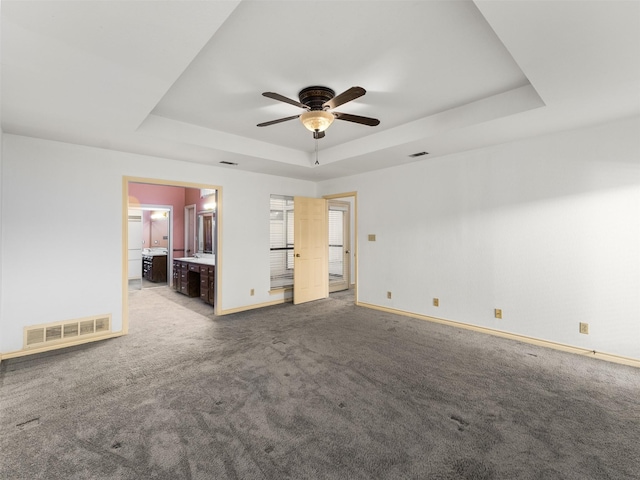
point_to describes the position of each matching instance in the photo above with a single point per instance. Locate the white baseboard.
(609, 357)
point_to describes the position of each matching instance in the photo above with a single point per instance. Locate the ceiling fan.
(318, 101)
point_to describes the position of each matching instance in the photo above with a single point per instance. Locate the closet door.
(311, 256)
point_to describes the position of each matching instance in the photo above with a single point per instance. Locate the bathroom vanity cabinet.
(154, 267)
(194, 277)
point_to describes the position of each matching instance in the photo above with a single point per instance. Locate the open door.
(311, 251)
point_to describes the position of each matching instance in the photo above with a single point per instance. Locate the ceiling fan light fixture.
(317, 120)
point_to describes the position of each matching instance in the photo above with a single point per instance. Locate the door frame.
(217, 308)
(189, 228)
(344, 207)
(354, 243)
(169, 208)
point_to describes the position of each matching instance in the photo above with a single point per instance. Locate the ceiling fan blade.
(372, 122)
(280, 120)
(281, 98)
(344, 97)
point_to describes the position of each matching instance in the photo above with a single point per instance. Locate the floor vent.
(66, 332)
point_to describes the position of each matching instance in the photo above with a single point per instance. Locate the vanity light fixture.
(209, 198)
(210, 203)
(159, 215)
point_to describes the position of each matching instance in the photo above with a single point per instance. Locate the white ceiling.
(183, 79)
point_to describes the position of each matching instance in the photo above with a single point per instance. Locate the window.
(281, 241)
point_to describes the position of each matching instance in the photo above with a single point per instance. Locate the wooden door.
(311, 257)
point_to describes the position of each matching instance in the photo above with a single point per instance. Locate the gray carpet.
(324, 390)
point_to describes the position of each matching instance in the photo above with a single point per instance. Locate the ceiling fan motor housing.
(315, 97)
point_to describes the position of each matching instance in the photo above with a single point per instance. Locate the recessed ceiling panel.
(414, 58)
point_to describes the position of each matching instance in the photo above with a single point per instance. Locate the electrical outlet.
(372, 237)
(498, 313)
(584, 328)
(388, 294)
(436, 302)
(253, 292)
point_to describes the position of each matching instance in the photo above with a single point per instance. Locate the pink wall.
(146, 194)
(146, 229)
(192, 195)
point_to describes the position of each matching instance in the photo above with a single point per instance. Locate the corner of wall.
(1, 195)
(1, 236)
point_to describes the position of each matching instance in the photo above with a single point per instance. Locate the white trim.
(255, 306)
(609, 357)
(48, 348)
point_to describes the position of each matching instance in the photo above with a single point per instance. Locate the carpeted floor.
(324, 390)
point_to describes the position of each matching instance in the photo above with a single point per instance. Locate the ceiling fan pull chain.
(317, 162)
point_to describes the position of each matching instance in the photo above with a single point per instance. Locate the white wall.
(547, 229)
(1, 170)
(1, 229)
(62, 230)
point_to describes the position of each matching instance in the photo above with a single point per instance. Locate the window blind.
(281, 241)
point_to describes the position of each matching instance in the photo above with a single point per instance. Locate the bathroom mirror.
(159, 229)
(205, 232)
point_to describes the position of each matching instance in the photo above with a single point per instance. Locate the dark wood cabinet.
(183, 282)
(206, 283)
(194, 279)
(154, 268)
(176, 275)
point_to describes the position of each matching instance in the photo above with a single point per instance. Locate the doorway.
(339, 245)
(350, 248)
(336, 271)
(157, 243)
(184, 204)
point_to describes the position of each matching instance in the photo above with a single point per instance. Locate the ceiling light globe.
(317, 120)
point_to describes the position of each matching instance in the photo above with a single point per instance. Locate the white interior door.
(311, 259)
(135, 244)
(339, 245)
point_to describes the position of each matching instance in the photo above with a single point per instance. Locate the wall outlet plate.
(372, 237)
(253, 292)
(436, 302)
(584, 328)
(498, 312)
(388, 294)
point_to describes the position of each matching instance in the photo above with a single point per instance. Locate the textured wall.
(65, 238)
(547, 229)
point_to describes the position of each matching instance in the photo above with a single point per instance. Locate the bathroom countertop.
(199, 260)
